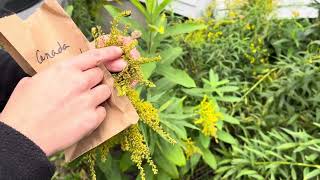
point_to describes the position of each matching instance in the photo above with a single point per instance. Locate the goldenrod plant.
(131, 139)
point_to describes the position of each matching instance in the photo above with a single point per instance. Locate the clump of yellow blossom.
(208, 117)
(249, 26)
(91, 159)
(131, 139)
(133, 142)
(257, 51)
(148, 114)
(191, 148)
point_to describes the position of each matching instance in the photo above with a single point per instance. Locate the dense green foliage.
(240, 95)
(275, 63)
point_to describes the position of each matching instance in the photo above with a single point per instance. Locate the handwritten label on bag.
(41, 56)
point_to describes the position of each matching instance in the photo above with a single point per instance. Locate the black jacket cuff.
(20, 158)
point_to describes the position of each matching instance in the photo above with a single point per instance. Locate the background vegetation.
(240, 95)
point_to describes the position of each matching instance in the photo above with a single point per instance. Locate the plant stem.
(254, 87)
(257, 83)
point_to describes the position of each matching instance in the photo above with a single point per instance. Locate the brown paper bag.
(47, 37)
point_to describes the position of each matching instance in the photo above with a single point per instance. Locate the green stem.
(254, 86)
(257, 83)
(150, 42)
(288, 163)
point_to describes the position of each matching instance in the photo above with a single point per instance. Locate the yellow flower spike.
(191, 148)
(149, 115)
(133, 142)
(209, 116)
(91, 162)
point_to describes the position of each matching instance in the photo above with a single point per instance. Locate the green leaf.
(213, 77)
(176, 75)
(163, 85)
(165, 105)
(293, 174)
(186, 124)
(194, 160)
(161, 7)
(180, 131)
(141, 8)
(162, 175)
(230, 119)
(167, 166)
(312, 174)
(125, 162)
(257, 176)
(227, 89)
(169, 55)
(69, 10)
(204, 140)
(197, 92)
(110, 169)
(226, 137)
(246, 172)
(147, 69)
(209, 158)
(150, 5)
(286, 146)
(188, 27)
(228, 99)
(173, 153)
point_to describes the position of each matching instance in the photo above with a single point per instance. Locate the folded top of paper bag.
(47, 37)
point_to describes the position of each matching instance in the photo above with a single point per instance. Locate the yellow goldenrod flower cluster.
(131, 139)
(133, 142)
(257, 52)
(208, 117)
(214, 35)
(148, 114)
(249, 26)
(191, 148)
(196, 38)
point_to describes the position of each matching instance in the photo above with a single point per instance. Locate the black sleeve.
(20, 158)
(10, 75)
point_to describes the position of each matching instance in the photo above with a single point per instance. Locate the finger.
(127, 40)
(93, 76)
(135, 53)
(99, 94)
(101, 41)
(94, 57)
(116, 66)
(100, 116)
(92, 45)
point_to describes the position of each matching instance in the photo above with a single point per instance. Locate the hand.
(59, 106)
(126, 40)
